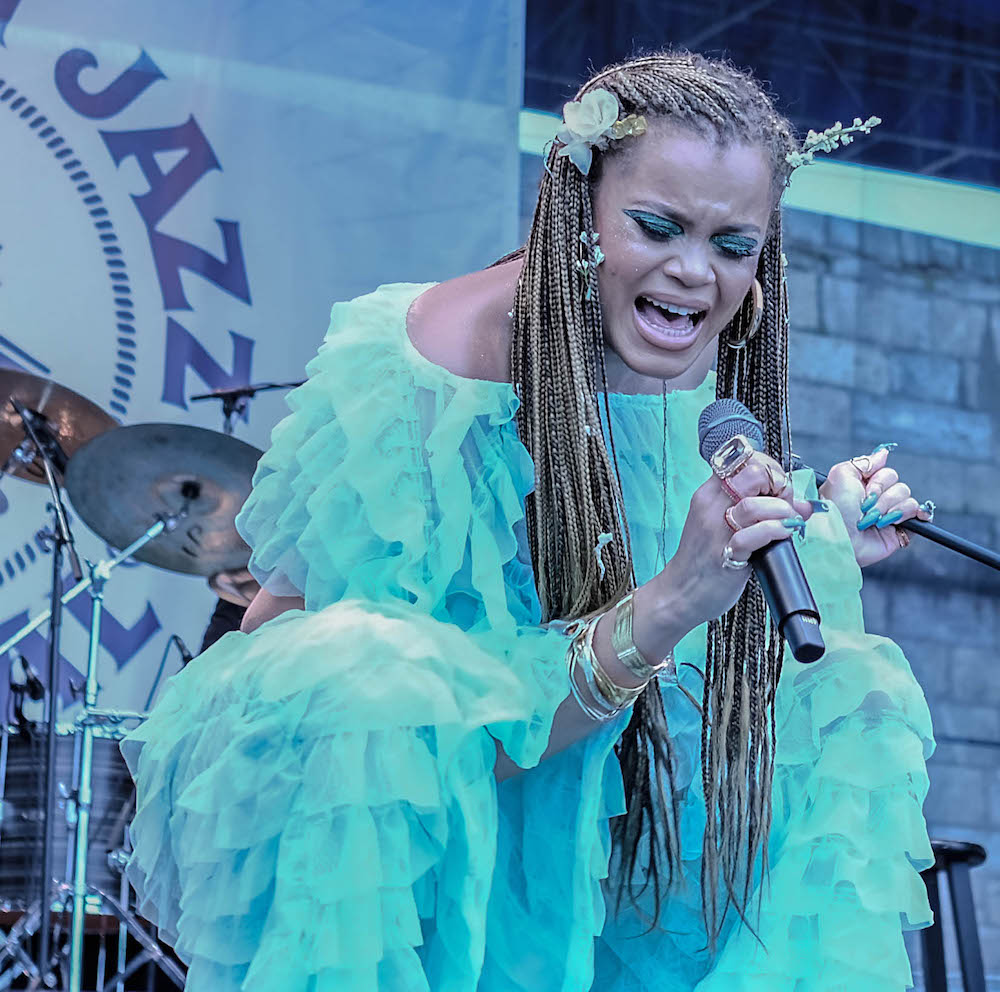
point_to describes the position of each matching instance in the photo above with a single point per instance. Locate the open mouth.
(667, 319)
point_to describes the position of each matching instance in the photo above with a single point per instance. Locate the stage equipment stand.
(62, 543)
(91, 717)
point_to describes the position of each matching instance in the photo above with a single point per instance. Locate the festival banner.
(187, 188)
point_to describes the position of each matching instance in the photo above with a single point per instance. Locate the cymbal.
(72, 419)
(121, 480)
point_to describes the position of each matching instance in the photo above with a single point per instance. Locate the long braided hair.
(558, 371)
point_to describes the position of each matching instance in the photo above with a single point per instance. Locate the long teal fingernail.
(868, 502)
(795, 523)
(890, 518)
(818, 505)
(885, 446)
(868, 519)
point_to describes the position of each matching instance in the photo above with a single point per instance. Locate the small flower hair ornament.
(591, 122)
(827, 141)
(587, 266)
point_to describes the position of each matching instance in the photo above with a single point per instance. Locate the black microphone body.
(789, 599)
(776, 566)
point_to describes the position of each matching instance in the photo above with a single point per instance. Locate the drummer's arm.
(266, 607)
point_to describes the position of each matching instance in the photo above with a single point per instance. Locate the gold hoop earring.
(744, 326)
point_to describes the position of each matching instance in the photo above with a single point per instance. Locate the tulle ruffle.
(402, 453)
(317, 808)
(393, 479)
(410, 523)
(317, 802)
(849, 839)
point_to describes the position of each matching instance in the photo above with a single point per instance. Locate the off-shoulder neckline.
(415, 355)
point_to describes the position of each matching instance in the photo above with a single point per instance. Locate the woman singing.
(509, 712)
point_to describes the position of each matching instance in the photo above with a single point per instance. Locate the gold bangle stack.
(619, 696)
(610, 698)
(581, 658)
(624, 645)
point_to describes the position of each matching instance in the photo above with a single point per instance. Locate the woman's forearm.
(660, 621)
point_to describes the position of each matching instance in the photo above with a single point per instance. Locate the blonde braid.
(738, 744)
(558, 371)
(581, 492)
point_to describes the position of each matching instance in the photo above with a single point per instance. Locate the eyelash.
(663, 230)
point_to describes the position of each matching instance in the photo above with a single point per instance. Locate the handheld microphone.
(776, 566)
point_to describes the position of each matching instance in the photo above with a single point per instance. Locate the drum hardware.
(118, 860)
(173, 474)
(91, 718)
(41, 442)
(11, 947)
(108, 718)
(36, 428)
(23, 454)
(100, 571)
(151, 950)
(236, 400)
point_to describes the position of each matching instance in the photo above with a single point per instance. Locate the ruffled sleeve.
(317, 808)
(394, 480)
(849, 838)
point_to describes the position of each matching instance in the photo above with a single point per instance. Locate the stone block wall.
(896, 337)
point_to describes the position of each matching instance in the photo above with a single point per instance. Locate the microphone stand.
(235, 401)
(931, 531)
(62, 542)
(952, 541)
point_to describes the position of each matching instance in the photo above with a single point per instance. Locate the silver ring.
(728, 561)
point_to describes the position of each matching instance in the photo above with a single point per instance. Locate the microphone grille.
(724, 419)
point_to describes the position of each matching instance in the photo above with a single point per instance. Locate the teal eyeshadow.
(654, 223)
(735, 244)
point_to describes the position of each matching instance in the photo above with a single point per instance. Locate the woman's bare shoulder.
(463, 324)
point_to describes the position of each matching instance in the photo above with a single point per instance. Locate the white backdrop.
(187, 187)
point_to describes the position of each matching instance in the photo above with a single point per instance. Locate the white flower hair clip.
(827, 141)
(591, 122)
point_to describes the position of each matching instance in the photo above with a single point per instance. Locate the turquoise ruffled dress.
(317, 810)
